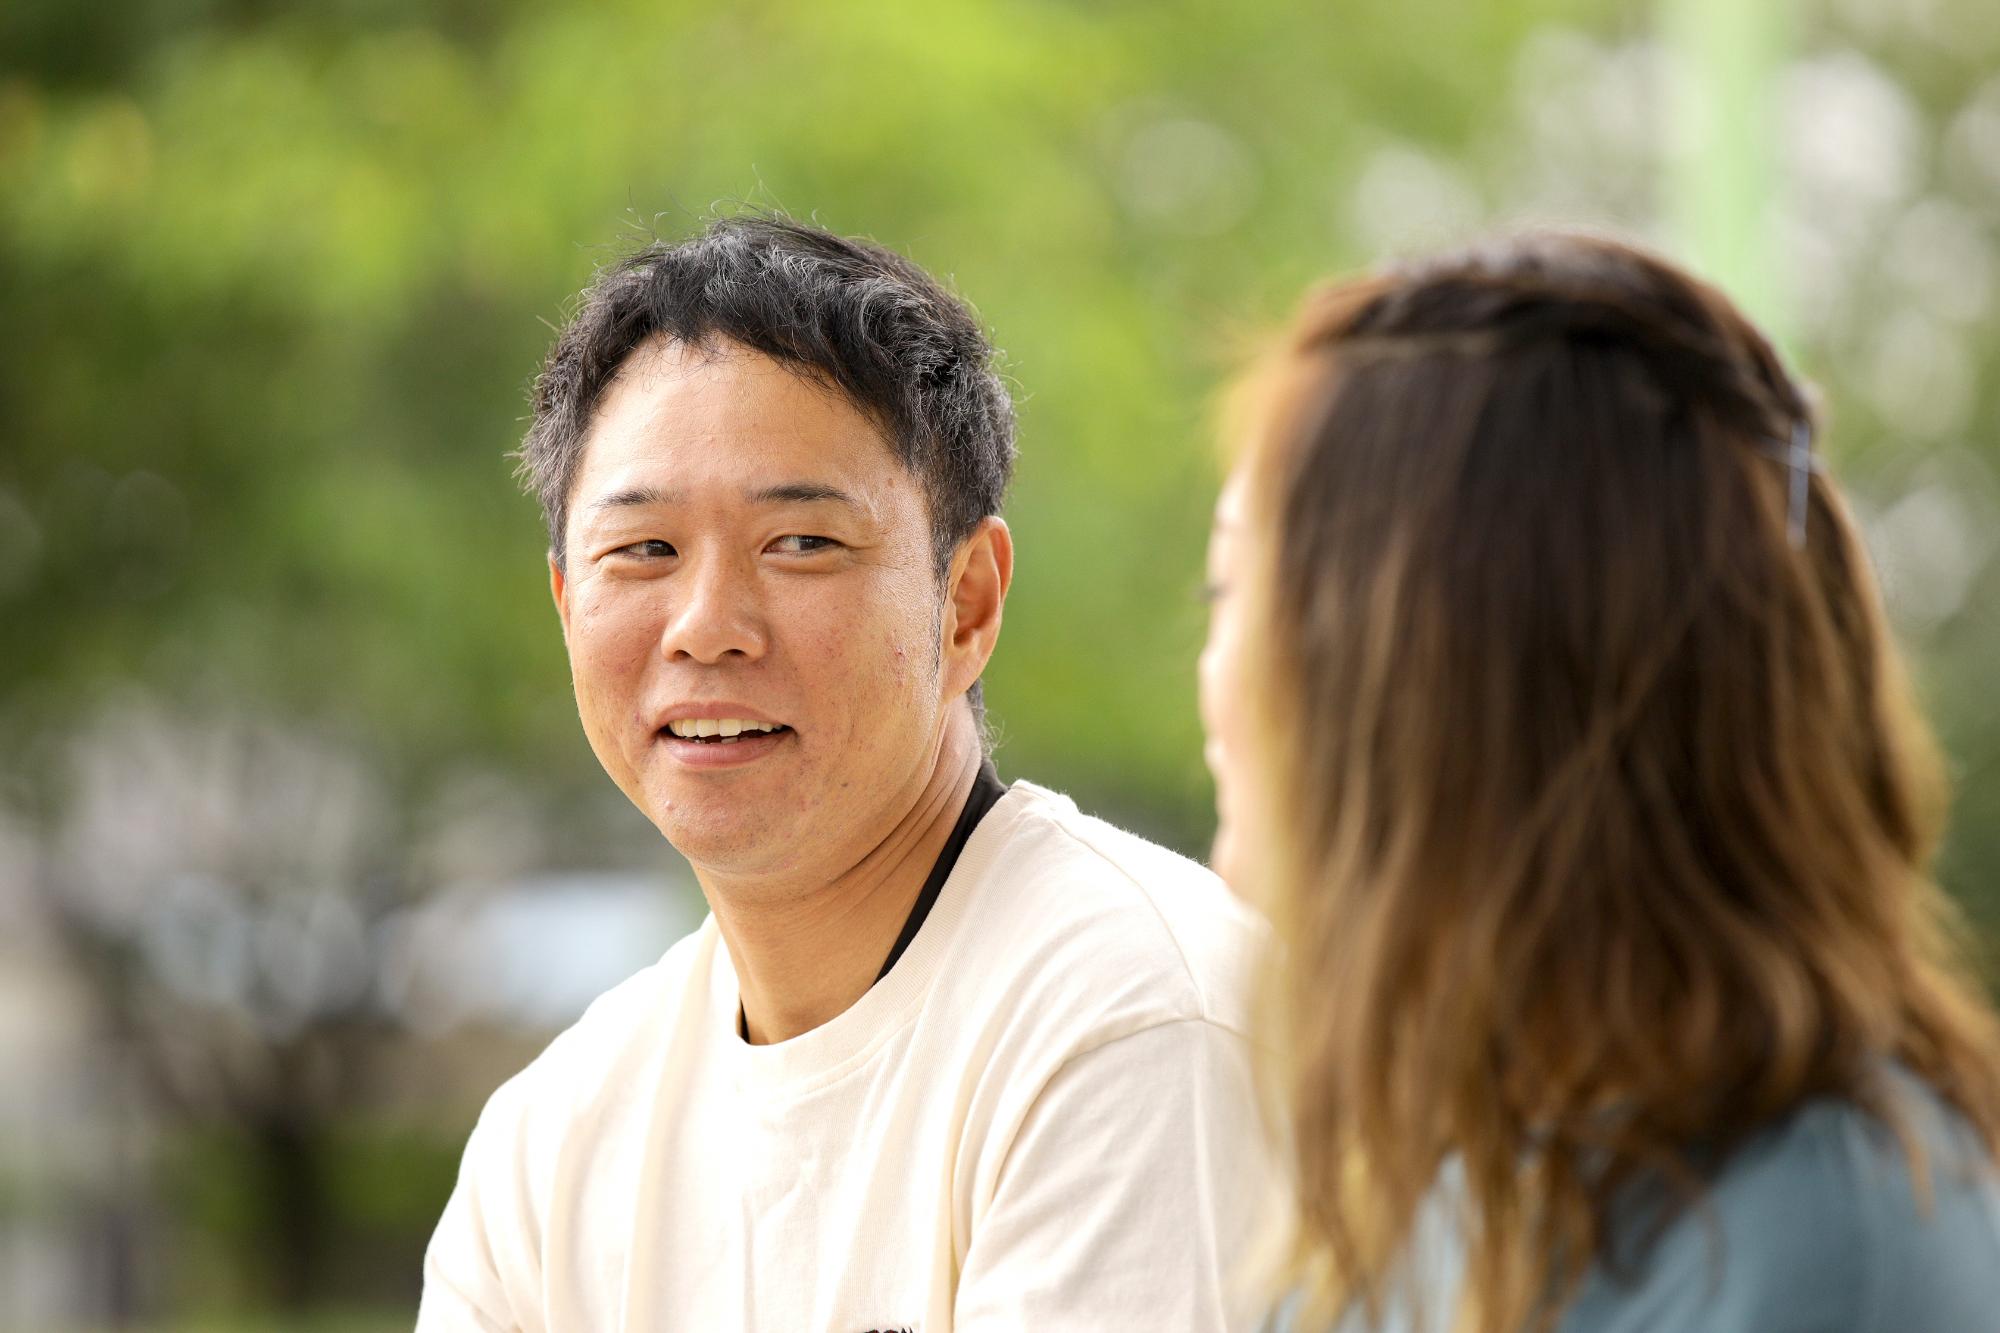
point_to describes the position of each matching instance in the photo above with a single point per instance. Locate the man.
(946, 1054)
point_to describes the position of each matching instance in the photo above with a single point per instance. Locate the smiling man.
(946, 1054)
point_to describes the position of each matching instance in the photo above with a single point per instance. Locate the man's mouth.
(720, 730)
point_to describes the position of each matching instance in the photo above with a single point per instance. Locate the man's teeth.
(723, 728)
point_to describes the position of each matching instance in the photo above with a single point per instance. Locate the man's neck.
(804, 956)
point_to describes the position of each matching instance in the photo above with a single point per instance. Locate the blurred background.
(301, 848)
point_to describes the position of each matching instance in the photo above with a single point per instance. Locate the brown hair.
(1600, 819)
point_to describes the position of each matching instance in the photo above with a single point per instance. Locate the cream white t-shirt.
(1042, 1118)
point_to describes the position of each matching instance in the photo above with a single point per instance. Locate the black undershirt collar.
(987, 789)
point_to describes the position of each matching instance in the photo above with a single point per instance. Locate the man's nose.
(718, 613)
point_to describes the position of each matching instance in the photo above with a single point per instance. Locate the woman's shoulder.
(1818, 1224)
(1821, 1222)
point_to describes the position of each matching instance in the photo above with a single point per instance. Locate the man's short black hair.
(858, 318)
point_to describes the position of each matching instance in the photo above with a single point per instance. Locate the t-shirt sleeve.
(1131, 1195)
(480, 1265)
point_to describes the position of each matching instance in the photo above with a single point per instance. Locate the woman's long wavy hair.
(1598, 817)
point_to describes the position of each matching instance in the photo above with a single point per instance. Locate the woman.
(1556, 728)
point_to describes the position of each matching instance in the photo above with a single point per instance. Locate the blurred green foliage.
(287, 275)
(387, 1183)
(277, 276)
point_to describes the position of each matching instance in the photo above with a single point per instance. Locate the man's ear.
(559, 589)
(981, 573)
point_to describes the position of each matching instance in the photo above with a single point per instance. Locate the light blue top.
(1814, 1226)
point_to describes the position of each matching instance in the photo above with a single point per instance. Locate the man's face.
(743, 547)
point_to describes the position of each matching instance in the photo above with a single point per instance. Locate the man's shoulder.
(605, 1047)
(1102, 910)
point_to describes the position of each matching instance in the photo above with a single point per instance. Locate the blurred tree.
(223, 888)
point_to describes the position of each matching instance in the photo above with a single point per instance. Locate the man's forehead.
(716, 364)
(741, 420)
(666, 387)
(662, 354)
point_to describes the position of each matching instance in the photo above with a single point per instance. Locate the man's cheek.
(618, 652)
(833, 650)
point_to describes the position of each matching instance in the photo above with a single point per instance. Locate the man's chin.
(730, 842)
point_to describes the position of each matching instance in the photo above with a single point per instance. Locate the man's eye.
(651, 549)
(801, 544)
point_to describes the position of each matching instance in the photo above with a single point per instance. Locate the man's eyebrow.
(790, 492)
(803, 492)
(634, 496)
